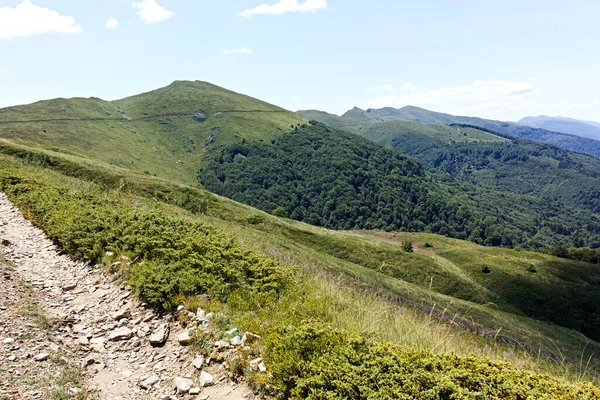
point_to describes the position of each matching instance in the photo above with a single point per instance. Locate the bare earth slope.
(68, 331)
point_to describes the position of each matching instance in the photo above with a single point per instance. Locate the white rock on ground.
(160, 335)
(183, 385)
(206, 379)
(184, 338)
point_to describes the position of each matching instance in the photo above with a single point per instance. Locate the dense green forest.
(518, 165)
(338, 180)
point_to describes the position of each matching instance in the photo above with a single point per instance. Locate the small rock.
(204, 397)
(98, 340)
(220, 344)
(184, 338)
(180, 307)
(41, 357)
(249, 337)
(194, 391)
(149, 382)
(122, 314)
(83, 341)
(160, 335)
(69, 286)
(198, 362)
(262, 367)
(231, 331)
(123, 333)
(183, 385)
(8, 340)
(12, 358)
(5, 242)
(236, 341)
(90, 361)
(254, 363)
(206, 379)
(109, 254)
(200, 314)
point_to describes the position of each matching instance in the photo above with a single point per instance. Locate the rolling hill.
(420, 115)
(165, 132)
(565, 125)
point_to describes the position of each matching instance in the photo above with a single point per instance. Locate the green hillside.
(481, 157)
(337, 180)
(415, 114)
(165, 132)
(272, 275)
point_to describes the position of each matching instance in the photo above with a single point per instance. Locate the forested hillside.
(487, 158)
(337, 180)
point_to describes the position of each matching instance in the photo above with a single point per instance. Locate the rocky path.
(68, 331)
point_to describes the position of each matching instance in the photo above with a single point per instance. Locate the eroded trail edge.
(69, 331)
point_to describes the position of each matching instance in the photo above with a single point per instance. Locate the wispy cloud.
(480, 95)
(286, 6)
(241, 50)
(27, 19)
(151, 12)
(112, 24)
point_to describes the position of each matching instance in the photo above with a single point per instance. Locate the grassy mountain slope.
(351, 280)
(565, 125)
(420, 115)
(164, 132)
(481, 157)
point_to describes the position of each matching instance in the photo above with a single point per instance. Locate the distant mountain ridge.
(571, 126)
(567, 141)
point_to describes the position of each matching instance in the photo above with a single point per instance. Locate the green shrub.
(407, 246)
(174, 255)
(314, 361)
(280, 212)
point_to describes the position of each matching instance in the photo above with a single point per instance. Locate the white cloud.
(112, 23)
(380, 88)
(151, 12)
(241, 50)
(480, 95)
(27, 19)
(286, 6)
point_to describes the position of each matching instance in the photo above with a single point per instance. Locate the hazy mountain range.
(571, 126)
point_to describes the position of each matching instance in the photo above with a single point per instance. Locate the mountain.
(486, 158)
(246, 149)
(565, 125)
(165, 132)
(415, 114)
(333, 313)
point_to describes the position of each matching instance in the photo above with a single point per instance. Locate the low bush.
(174, 255)
(314, 361)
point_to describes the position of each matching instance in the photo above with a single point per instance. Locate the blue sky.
(494, 59)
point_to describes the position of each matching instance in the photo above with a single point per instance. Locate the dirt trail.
(68, 331)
